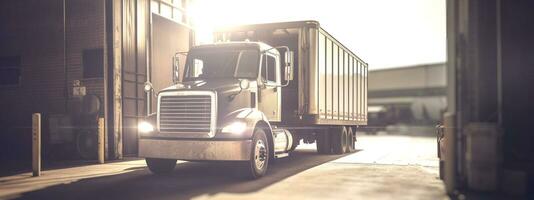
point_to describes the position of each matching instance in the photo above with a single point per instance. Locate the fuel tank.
(282, 140)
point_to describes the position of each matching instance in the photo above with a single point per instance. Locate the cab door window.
(268, 68)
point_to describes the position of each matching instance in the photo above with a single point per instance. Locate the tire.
(441, 169)
(350, 140)
(322, 140)
(354, 137)
(339, 139)
(160, 166)
(86, 145)
(258, 164)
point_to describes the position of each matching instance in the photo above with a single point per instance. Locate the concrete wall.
(85, 21)
(490, 48)
(33, 30)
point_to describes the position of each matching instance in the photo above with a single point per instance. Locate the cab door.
(269, 94)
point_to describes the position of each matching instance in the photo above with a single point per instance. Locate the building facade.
(412, 95)
(78, 60)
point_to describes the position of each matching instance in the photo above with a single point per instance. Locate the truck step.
(281, 155)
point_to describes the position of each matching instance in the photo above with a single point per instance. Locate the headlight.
(145, 127)
(235, 128)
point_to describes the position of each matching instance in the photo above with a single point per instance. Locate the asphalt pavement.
(383, 167)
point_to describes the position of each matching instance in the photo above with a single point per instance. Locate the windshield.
(222, 63)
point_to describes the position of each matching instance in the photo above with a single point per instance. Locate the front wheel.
(160, 166)
(257, 166)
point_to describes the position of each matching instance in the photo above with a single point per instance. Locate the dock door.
(168, 37)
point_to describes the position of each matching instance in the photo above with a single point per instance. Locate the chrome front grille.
(190, 113)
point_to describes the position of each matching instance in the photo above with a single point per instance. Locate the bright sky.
(384, 33)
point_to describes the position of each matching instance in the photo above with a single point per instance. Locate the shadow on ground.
(188, 180)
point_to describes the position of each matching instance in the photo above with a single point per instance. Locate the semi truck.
(255, 94)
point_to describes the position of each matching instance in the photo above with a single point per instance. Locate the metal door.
(269, 92)
(168, 37)
(133, 72)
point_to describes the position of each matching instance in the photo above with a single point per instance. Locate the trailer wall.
(338, 82)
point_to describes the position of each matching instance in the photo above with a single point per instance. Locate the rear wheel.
(339, 139)
(350, 139)
(160, 166)
(257, 166)
(322, 140)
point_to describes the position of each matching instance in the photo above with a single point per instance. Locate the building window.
(93, 63)
(154, 6)
(172, 9)
(9, 70)
(165, 10)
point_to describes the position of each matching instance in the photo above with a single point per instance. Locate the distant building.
(413, 95)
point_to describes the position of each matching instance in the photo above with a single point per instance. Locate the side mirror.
(244, 84)
(288, 71)
(148, 87)
(175, 69)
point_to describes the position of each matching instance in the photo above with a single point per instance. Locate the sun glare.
(207, 15)
(202, 15)
(401, 34)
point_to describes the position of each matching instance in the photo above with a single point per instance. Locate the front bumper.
(191, 149)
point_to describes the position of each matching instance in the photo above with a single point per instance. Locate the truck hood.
(229, 94)
(221, 86)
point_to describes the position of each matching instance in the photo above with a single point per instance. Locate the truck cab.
(223, 109)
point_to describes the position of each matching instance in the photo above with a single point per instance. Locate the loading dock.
(99, 50)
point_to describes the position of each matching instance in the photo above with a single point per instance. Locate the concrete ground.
(384, 167)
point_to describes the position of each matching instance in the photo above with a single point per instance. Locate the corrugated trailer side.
(337, 82)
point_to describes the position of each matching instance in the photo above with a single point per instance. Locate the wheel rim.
(260, 154)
